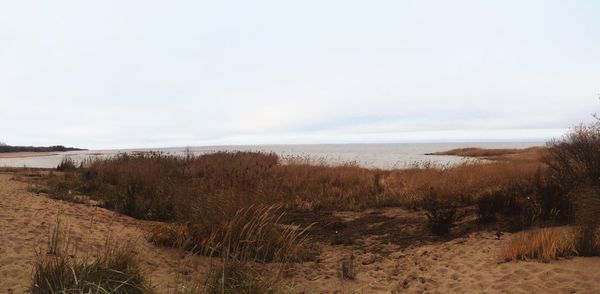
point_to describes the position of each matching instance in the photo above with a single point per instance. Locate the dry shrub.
(515, 205)
(115, 269)
(574, 165)
(66, 164)
(587, 209)
(442, 211)
(547, 244)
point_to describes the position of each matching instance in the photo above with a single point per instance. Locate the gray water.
(384, 156)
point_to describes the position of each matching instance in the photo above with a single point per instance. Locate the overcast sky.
(114, 74)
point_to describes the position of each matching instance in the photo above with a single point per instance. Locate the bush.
(573, 165)
(587, 208)
(442, 211)
(66, 164)
(515, 204)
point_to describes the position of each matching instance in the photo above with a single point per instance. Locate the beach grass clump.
(543, 244)
(252, 233)
(234, 276)
(548, 244)
(114, 269)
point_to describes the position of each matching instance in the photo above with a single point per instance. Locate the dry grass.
(211, 197)
(114, 269)
(527, 154)
(233, 276)
(254, 233)
(546, 244)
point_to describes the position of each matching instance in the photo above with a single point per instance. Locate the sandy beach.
(467, 264)
(25, 154)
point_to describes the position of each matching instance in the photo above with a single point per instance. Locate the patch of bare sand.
(463, 265)
(25, 219)
(25, 154)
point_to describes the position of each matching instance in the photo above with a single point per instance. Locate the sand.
(25, 219)
(462, 265)
(25, 154)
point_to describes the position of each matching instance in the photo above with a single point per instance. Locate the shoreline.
(26, 154)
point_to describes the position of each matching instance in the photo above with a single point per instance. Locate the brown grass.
(546, 244)
(203, 195)
(114, 269)
(527, 154)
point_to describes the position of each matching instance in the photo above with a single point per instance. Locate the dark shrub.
(442, 211)
(574, 175)
(66, 164)
(516, 205)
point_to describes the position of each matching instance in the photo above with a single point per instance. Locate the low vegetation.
(114, 269)
(547, 244)
(66, 164)
(236, 200)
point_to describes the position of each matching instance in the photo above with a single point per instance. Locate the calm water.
(385, 156)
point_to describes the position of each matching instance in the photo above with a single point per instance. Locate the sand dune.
(25, 219)
(463, 265)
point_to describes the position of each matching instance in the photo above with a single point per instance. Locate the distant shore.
(57, 148)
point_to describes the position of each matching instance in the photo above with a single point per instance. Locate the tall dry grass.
(114, 269)
(547, 244)
(205, 192)
(543, 244)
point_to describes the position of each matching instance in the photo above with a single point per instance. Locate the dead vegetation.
(234, 204)
(548, 244)
(114, 269)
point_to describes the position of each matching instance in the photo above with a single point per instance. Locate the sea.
(382, 156)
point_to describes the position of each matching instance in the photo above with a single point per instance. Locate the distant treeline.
(58, 148)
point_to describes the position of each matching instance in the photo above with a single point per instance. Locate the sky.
(126, 74)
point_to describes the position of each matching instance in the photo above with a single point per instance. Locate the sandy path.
(25, 219)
